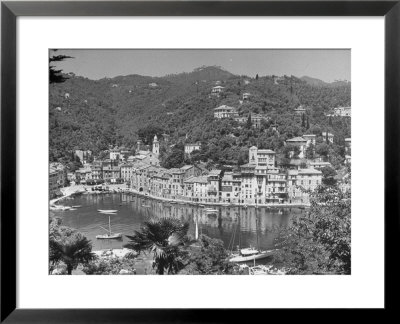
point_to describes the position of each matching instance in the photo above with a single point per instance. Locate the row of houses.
(57, 179)
(257, 182)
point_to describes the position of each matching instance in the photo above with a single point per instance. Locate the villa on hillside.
(225, 111)
(189, 148)
(300, 110)
(299, 142)
(330, 137)
(342, 111)
(217, 90)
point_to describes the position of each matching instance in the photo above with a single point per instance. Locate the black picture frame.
(11, 10)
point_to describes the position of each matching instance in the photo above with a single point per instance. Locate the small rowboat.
(107, 210)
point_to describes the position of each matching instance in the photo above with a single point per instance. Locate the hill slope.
(88, 114)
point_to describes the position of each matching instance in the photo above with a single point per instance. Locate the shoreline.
(82, 190)
(285, 205)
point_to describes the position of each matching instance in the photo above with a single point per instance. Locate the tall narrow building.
(156, 145)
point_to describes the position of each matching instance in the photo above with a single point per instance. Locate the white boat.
(109, 235)
(210, 210)
(250, 254)
(107, 210)
(59, 207)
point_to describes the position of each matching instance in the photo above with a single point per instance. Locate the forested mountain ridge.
(93, 114)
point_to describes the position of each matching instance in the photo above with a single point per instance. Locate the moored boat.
(250, 254)
(107, 210)
(109, 236)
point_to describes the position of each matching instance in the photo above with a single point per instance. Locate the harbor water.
(232, 224)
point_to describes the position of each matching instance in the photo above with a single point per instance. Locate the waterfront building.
(275, 191)
(248, 184)
(97, 170)
(111, 171)
(57, 178)
(176, 182)
(189, 148)
(126, 171)
(300, 180)
(225, 111)
(230, 188)
(261, 179)
(83, 174)
(138, 176)
(160, 183)
(191, 171)
(199, 188)
(214, 181)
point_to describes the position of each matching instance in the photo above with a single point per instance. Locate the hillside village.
(204, 137)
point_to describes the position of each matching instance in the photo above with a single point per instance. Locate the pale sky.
(325, 64)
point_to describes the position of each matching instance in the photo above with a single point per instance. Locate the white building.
(246, 96)
(342, 111)
(115, 154)
(189, 148)
(262, 157)
(298, 181)
(300, 110)
(330, 137)
(347, 143)
(156, 146)
(217, 90)
(225, 111)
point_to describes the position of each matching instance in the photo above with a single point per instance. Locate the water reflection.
(133, 211)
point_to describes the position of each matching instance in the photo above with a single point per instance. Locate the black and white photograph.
(199, 161)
